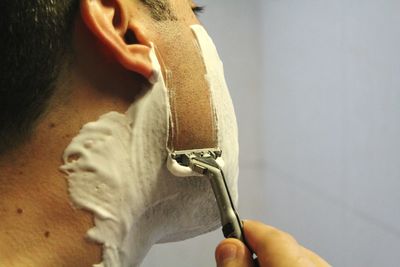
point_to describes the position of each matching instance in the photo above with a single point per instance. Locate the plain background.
(316, 88)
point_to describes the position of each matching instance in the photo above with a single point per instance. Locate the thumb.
(232, 253)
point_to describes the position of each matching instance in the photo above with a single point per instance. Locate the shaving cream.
(116, 168)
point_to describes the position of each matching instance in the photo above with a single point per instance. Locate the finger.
(274, 247)
(317, 260)
(232, 253)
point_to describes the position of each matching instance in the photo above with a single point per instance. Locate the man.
(65, 63)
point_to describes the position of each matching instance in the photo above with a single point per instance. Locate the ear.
(110, 23)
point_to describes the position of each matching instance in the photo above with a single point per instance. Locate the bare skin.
(273, 247)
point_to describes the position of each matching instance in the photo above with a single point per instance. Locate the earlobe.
(110, 22)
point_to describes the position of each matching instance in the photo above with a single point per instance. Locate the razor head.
(185, 157)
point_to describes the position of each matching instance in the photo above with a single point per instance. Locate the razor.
(204, 161)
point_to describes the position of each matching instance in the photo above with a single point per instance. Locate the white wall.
(332, 126)
(316, 87)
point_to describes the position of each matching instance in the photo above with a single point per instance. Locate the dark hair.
(36, 40)
(35, 37)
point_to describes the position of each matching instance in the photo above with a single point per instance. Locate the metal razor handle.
(231, 224)
(204, 162)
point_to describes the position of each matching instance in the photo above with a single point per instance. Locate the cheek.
(192, 117)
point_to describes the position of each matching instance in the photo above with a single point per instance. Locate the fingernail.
(227, 253)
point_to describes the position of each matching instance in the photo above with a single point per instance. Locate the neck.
(40, 226)
(35, 207)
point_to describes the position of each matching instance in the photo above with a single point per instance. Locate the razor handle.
(206, 164)
(232, 226)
